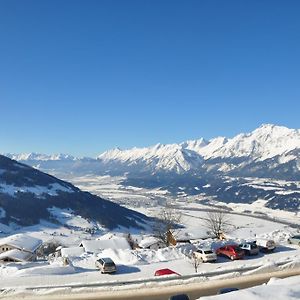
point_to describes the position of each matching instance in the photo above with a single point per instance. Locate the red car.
(162, 272)
(231, 251)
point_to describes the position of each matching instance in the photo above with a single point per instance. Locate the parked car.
(250, 248)
(266, 245)
(231, 251)
(205, 255)
(106, 265)
(227, 290)
(294, 240)
(163, 272)
(179, 297)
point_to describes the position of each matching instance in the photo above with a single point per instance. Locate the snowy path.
(194, 290)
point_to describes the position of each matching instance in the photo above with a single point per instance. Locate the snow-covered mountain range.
(268, 142)
(28, 196)
(269, 152)
(265, 143)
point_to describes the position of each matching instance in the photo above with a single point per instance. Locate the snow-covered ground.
(276, 288)
(111, 188)
(248, 222)
(143, 199)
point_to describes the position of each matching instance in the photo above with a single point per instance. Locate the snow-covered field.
(143, 199)
(249, 222)
(111, 188)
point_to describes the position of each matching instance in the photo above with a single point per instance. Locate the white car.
(205, 255)
(266, 245)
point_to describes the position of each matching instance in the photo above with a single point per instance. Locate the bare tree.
(168, 224)
(132, 243)
(48, 248)
(217, 223)
(196, 262)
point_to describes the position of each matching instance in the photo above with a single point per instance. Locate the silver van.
(106, 265)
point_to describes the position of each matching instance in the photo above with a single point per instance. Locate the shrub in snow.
(48, 248)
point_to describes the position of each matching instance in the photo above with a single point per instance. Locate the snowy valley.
(252, 178)
(261, 165)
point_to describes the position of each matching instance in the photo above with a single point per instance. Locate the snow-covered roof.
(148, 241)
(108, 236)
(16, 255)
(183, 236)
(72, 251)
(22, 242)
(96, 246)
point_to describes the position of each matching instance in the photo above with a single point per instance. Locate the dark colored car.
(106, 265)
(250, 248)
(294, 240)
(231, 251)
(227, 290)
(180, 297)
(163, 272)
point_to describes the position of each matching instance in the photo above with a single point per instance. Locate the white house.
(152, 243)
(19, 247)
(96, 246)
(16, 255)
(72, 251)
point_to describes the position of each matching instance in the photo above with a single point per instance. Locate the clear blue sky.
(82, 77)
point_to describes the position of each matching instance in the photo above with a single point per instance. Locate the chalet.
(16, 255)
(180, 238)
(72, 251)
(152, 243)
(19, 247)
(96, 246)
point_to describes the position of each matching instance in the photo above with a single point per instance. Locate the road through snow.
(194, 290)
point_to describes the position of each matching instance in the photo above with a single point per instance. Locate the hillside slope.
(28, 195)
